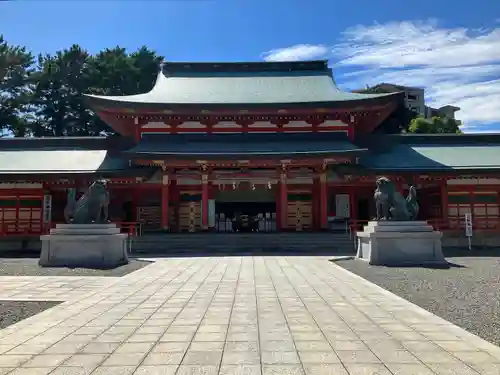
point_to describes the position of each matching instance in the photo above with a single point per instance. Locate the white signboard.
(211, 213)
(342, 206)
(47, 209)
(468, 228)
(468, 225)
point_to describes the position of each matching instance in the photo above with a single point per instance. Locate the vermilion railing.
(457, 225)
(132, 228)
(450, 225)
(24, 227)
(357, 225)
(12, 228)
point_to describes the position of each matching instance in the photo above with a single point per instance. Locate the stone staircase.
(243, 243)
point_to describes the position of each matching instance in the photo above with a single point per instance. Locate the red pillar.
(278, 207)
(444, 203)
(204, 201)
(315, 204)
(165, 202)
(350, 131)
(323, 201)
(400, 187)
(353, 203)
(138, 129)
(135, 198)
(174, 191)
(283, 202)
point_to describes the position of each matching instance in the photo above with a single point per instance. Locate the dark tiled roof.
(428, 154)
(170, 67)
(244, 145)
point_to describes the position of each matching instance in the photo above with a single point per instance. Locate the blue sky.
(450, 48)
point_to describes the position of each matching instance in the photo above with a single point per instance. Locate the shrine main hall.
(276, 142)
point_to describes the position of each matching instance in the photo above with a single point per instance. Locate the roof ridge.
(250, 66)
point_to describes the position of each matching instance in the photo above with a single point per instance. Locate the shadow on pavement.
(436, 266)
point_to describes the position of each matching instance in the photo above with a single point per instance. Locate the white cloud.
(456, 66)
(297, 52)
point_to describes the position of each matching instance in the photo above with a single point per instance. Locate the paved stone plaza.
(234, 315)
(50, 288)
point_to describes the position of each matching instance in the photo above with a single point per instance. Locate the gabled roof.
(243, 84)
(243, 145)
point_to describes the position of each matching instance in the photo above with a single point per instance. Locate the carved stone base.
(84, 246)
(400, 243)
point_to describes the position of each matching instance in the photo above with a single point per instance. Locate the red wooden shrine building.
(278, 141)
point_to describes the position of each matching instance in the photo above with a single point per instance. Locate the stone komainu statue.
(91, 208)
(391, 205)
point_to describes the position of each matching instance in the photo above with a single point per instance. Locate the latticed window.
(21, 213)
(434, 205)
(483, 205)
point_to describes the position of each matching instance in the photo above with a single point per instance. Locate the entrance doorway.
(364, 209)
(245, 210)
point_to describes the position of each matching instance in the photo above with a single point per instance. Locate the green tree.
(15, 88)
(146, 63)
(116, 72)
(61, 80)
(435, 125)
(47, 99)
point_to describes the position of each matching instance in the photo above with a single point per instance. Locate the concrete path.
(238, 315)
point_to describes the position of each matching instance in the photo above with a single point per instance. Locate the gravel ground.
(467, 294)
(14, 311)
(29, 267)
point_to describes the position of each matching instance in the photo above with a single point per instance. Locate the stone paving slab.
(240, 315)
(50, 288)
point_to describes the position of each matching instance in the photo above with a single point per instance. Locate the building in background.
(447, 111)
(414, 100)
(413, 96)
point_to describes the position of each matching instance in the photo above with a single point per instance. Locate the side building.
(414, 100)
(414, 96)
(277, 141)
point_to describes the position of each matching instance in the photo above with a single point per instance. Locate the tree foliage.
(398, 121)
(44, 96)
(15, 87)
(434, 125)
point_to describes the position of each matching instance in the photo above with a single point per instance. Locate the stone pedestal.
(400, 243)
(85, 246)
